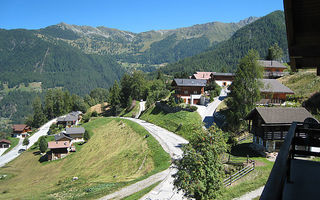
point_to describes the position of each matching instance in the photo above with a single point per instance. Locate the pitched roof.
(202, 75)
(58, 144)
(284, 115)
(19, 127)
(61, 135)
(190, 82)
(274, 86)
(68, 118)
(75, 130)
(271, 63)
(5, 141)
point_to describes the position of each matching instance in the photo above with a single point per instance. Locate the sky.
(130, 15)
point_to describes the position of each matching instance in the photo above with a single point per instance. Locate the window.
(195, 92)
(185, 92)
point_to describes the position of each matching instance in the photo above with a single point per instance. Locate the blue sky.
(131, 15)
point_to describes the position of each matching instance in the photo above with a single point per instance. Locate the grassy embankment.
(183, 123)
(116, 155)
(131, 113)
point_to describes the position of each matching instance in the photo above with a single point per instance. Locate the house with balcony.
(202, 76)
(222, 79)
(190, 90)
(272, 69)
(20, 130)
(270, 125)
(273, 92)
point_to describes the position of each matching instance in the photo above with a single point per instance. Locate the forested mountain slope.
(28, 57)
(259, 35)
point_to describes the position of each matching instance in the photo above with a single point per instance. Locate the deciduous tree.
(200, 170)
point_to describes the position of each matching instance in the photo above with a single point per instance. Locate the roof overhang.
(303, 33)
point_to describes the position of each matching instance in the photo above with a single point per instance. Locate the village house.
(20, 130)
(5, 143)
(272, 68)
(62, 137)
(270, 125)
(76, 133)
(202, 76)
(190, 90)
(273, 92)
(58, 149)
(68, 120)
(222, 79)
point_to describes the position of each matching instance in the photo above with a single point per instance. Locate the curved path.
(43, 130)
(171, 143)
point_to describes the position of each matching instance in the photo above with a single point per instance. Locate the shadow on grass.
(244, 150)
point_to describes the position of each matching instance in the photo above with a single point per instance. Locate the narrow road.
(207, 112)
(142, 107)
(14, 152)
(251, 195)
(171, 143)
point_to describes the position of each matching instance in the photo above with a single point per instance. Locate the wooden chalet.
(190, 90)
(62, 137)
(272, 69)
(273, 92)
(5, 143)
(20, 130)
(270, 125)
(76, 133)
(222, 79)
(58, 149)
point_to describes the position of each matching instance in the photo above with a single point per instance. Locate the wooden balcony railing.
(299, 139)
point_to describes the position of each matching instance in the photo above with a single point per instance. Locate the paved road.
(251, 195)
(14, 152)
(207, 112)
(141, 108)
(171, 143)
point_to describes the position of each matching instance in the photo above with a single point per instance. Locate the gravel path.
(14, 152)
(251, 195)
(171, 143)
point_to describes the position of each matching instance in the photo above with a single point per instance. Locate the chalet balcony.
(294, 175)
(274, 74)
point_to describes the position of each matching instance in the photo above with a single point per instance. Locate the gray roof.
(222, 74)
(271, 63)
(68, 118)
(190, 82)
(60, 136)
(284, 115)
(274, 86)
(75, 130)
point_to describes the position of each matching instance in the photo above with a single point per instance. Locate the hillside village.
(201, 133)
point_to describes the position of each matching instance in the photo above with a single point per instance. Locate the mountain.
(147, 48)
(27, 56)
(259, 35)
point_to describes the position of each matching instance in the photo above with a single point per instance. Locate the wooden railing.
(236, 176)
(300, 135)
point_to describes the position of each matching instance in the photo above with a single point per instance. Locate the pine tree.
(114, 97)
(275, 52)
(39, 117)
(43, 145)
(245, 90)
(48, 105)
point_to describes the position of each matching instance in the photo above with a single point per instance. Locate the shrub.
(194, 108)
(94, 114)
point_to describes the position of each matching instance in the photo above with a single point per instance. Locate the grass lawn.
(251, 181)
(14, 141)
(183, 123)
(116, 155)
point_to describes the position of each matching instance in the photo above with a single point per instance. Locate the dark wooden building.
(190, 90)
(273, 92)
(270, 125)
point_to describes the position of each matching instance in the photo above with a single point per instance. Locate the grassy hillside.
(182, 123)
(304, 83)
(116, 155)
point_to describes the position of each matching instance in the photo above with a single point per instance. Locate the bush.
(86, 117)
(194, 108)
(94, 114)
